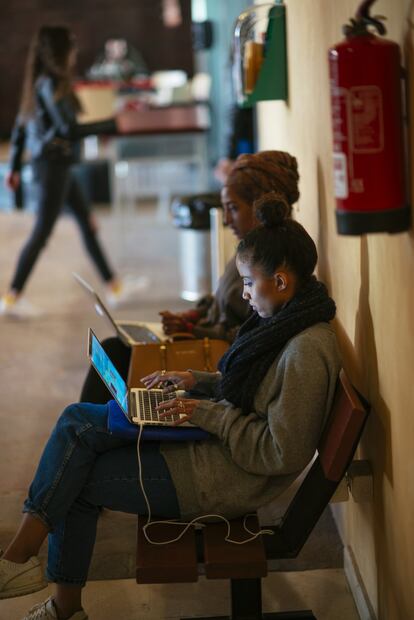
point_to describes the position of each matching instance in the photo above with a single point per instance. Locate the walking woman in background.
(47, 126)
(251, 177)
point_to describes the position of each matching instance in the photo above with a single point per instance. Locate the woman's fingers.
(176, 385)
(169, 316)
(171, 410)
(150, 376)
(12, 181)
(148, 380)
(154, 378)
(171, 327)
(166, 405)
(172, 322)
(176, 415)
(181, 420)
(182, 380)
(177, 410)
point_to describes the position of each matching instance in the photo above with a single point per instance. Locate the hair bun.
(272, 209)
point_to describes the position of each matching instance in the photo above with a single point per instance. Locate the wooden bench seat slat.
(172, 563)
(225, 560)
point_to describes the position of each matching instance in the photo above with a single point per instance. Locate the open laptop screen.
(107, 371)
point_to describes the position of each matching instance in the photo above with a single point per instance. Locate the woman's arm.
(286, 440)
(205, 382)
(17, 142)
(194, 380)
(63, 118)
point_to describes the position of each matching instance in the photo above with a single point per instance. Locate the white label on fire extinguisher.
(340, 175)
(367, 119)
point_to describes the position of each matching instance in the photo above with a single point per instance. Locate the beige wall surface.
(372, 281)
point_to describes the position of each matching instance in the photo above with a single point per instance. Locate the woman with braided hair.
(251, 176)
(265, 411)
(219, 315)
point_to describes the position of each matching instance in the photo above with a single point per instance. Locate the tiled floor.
(42, 366)
(323, 591)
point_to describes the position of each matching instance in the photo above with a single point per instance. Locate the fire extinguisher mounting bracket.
(361, 223)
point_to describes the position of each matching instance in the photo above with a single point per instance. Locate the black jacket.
(52, 133)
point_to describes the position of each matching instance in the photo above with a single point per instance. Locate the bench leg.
(246, 604)
(246, 599)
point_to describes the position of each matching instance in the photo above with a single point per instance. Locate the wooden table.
(161, 152)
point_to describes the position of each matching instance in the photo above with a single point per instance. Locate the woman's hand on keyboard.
(173, 323)
(179, 409)
(170, 381)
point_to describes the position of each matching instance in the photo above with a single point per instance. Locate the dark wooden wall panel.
(93, 21)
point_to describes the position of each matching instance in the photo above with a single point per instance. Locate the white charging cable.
(197, 520)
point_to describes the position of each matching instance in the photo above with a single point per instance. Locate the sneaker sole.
(15, 592)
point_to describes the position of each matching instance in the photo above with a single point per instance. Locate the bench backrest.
(335, 452)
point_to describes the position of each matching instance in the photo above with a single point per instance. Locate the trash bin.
(191, 215)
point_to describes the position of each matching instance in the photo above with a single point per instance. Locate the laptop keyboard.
(139, 333)
(145, 403)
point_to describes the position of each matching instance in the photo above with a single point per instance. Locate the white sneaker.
(19, 308)
(47, 611)
(19, 579)
(129, 287)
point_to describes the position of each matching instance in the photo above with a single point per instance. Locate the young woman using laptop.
(219, 315)
(265, 412)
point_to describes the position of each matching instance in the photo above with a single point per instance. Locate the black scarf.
(259, 342)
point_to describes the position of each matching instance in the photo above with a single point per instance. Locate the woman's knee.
(78, 417)
(119, 354)
(39, 237)
(111, 342)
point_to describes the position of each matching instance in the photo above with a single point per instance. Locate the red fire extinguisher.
(368, 130)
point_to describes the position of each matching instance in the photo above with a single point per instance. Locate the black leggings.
(94, 389)
(55, 185)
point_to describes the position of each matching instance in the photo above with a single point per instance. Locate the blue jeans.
(56, 184)
(82, 469)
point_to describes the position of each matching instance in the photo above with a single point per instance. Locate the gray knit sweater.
(251, 459)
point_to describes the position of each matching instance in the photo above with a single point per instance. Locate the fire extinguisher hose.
(364, 9)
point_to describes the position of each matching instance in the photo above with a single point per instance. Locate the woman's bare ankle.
(67, 601)
(15, 556)
(65, 614)
(27, 541)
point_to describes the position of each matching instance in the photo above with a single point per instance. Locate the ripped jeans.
(82, 469)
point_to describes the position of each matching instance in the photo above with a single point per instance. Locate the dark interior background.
(93, 21)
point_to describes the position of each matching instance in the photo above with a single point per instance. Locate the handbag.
(195, 354)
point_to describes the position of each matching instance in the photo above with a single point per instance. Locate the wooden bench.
(205, 549)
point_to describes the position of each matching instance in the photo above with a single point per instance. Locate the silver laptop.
(130, 332)
(139, 405)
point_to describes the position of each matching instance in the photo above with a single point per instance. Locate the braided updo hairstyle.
(278, 240)
(253, 175)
